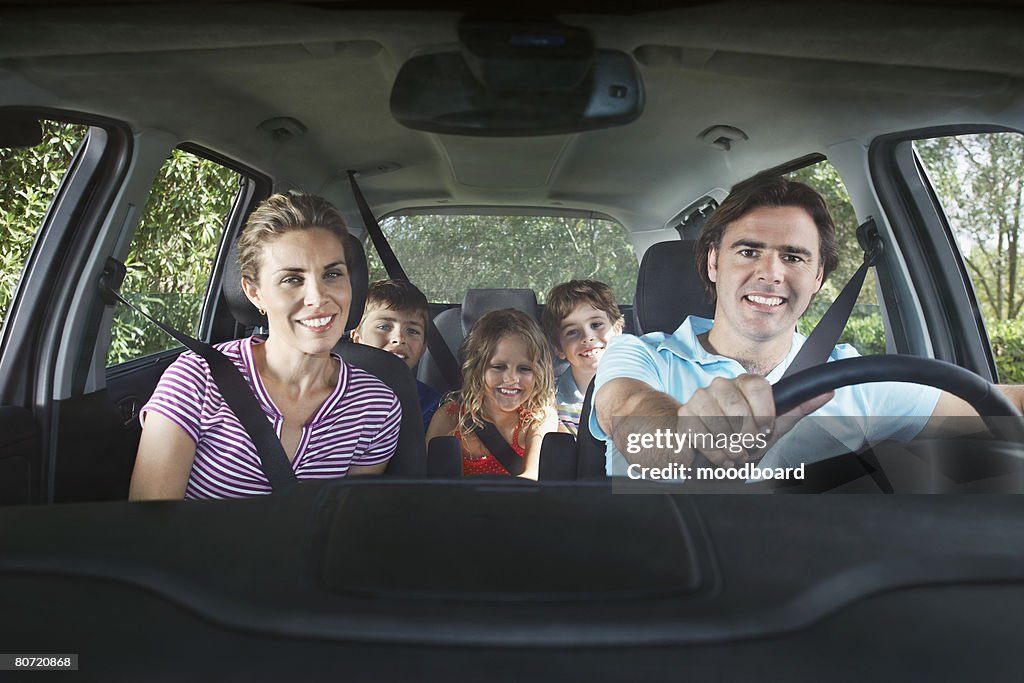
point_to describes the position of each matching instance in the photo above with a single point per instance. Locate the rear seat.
(454, 324)
(559, 455)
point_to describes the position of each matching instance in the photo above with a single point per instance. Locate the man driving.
(762, 255)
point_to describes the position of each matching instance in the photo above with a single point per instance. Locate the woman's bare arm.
(164, 460)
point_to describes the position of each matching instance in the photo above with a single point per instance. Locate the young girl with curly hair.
(508, 381)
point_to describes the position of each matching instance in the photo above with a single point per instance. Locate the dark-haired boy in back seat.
(580, 316)
(395, 319)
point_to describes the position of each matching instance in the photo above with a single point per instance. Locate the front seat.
(668, 289)
(410, 459)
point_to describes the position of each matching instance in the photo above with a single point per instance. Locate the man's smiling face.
(766, 271)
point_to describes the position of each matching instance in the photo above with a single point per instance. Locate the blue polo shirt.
(678, 365)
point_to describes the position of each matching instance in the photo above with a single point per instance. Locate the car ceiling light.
(722, 137)
(282, 128)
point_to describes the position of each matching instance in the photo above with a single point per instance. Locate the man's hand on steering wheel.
(742, 406)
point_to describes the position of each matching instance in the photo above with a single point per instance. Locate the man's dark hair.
(754, 193)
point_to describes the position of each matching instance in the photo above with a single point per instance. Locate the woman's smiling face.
(509, 378)
(304, 288)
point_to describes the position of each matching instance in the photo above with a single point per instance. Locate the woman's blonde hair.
(479, 348)
(281, 213)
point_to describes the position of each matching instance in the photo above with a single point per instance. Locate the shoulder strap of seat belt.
(232, 385)
(825, 335)
(513, 463)
(436, 344)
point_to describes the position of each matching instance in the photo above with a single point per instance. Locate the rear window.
(446, 254)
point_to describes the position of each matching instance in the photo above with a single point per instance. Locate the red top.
(473, 465)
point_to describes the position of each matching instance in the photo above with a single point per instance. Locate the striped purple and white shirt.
(358, 424)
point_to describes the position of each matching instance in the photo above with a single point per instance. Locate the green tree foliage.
(1007, 339)
(172, 253)
(446, 254)
(29, 178)
(980, 183)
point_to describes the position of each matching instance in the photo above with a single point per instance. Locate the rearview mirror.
(518, 80)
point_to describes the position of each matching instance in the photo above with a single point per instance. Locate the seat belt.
(233, 386)
(436, 344)
(825, 335)
(513, 463)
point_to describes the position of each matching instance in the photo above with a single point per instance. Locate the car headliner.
(797, 80)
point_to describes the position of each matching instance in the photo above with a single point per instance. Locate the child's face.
(399, 332)
(583, 336)
(509, 378)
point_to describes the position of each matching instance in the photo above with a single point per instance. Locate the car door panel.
(20, 456)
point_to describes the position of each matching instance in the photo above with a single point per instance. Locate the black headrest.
(668, 288)
(246, 314)
(477, 302)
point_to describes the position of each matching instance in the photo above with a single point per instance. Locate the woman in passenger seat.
(333, 419)
(508, 381)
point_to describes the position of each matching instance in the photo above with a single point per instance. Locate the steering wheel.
(980, 393)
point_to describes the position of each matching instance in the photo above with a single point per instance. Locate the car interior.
(468, 133)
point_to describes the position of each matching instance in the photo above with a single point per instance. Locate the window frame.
(215, 322)
(74, 219)
(950, 325)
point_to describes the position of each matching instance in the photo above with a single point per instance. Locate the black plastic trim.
(770, 583)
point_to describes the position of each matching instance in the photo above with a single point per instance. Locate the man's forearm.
(642, 410)
(1014, 392)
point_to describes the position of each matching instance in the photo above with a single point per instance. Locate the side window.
(172, 254)
(446, 254)
(29, 178)
(865, 330)
(978, 180)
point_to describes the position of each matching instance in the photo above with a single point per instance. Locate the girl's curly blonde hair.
(479, 348)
